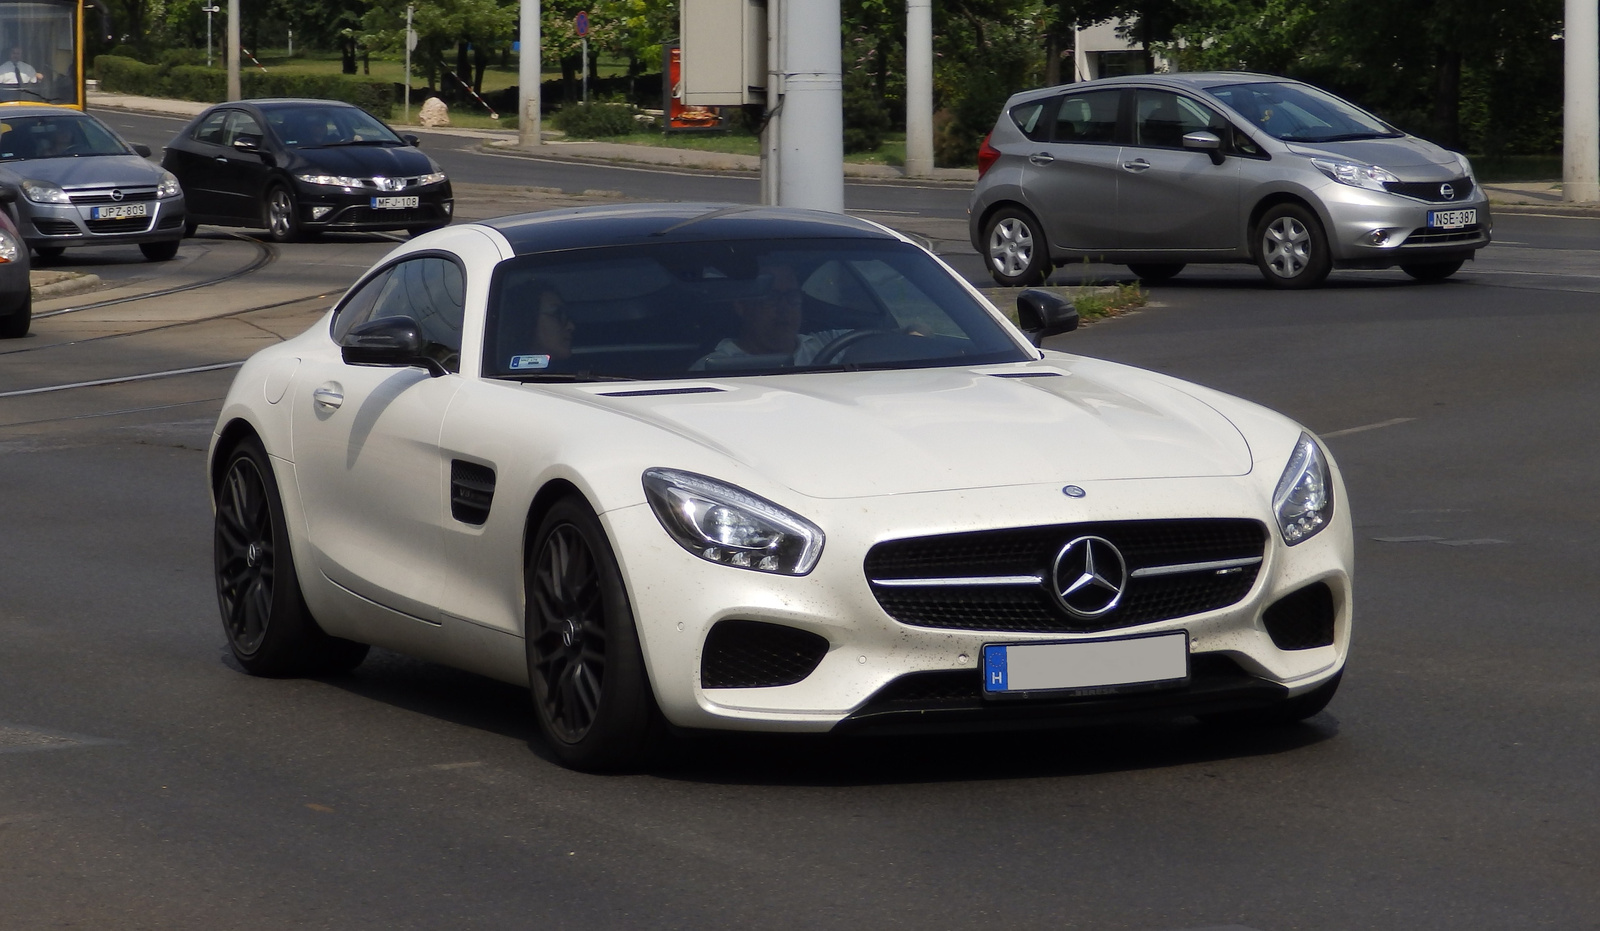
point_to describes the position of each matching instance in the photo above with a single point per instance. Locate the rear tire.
(269, 628)
(1291, 248)
(1015, 248)
(591, 693)
(1290, 711)
(1156, 273)
(159, 251)
(15, 324)
(1433, 271)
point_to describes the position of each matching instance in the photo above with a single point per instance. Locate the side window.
(1163, 118)
(1027, 116)
(358, 309)
(1089, 117)
(431, 291)
(239, 124)
(210, 129)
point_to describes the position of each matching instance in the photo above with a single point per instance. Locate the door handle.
(1041, 158)
(1136, 166)
(221, 158)
(328, 397)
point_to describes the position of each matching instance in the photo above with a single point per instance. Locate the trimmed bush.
(121, 75)
(596, 120)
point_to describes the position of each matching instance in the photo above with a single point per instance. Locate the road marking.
(1371, 426)
(148, 376)
(16, 738)
(1421, 538)
(1481, 541)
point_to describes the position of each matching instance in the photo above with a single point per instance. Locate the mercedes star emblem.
(1089, 577)
(1073, 491)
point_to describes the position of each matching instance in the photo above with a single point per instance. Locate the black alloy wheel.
(1015, 248)
(1156, 273)
(585, 668)
(159, 251)
(282, 218)
(15, 324)
(1291, 248)
(269, 628)
(1432, 271)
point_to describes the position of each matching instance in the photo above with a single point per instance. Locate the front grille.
(123, 225)
(1031, 552)
(1302, 620)
(1426, 236)
(752, 654)
(1432, 191)
(55, 227)
(471, 491)
(104, 197)
(361, 216)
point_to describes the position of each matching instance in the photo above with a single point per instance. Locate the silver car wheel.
(280, 213)
(1011, 247)
(1286, 246)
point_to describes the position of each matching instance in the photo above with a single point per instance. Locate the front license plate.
(1085, 665)
(1451, 219)
(393, 203)
(119, 211)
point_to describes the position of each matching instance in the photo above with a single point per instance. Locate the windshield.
(1298, 113)
(38, 53)
(312, 127)
(68, 135)
(693, 310)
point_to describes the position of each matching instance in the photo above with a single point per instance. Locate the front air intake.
(1302, 620)
(753, 655)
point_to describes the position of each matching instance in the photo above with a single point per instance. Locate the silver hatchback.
(1159, 171)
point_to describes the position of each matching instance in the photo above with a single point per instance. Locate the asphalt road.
(145, 782)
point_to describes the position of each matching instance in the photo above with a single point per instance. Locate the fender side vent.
(471, 491)
(1301, 620)
(752, 655)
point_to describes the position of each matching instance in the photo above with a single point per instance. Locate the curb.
(60, 284)
(1557, 210)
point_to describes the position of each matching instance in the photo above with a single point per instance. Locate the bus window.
(39, 55)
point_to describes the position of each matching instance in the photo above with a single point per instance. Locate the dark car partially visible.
(301, 167)
(16, 295)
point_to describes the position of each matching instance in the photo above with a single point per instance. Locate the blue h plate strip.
(994, 669)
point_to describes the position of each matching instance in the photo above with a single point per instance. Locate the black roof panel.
(631, 224)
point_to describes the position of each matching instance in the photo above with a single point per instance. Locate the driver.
(549, 338)
(17, 71)
(769, 325)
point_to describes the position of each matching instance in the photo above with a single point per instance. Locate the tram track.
(266, 255)
(196, 321)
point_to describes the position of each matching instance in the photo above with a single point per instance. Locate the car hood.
(89, 170)
(364, 161)
(846, 435)
(1417, 159)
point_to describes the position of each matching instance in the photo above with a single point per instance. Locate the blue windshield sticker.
(994, 669)
(529, 362)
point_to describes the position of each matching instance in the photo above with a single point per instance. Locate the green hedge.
(121, 75)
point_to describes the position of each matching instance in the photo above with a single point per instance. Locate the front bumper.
(869, 676)
(14, 286)
(331, 208)
(55, 225)
(1376, 229)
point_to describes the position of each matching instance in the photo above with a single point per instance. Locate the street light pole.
(528, 74)
(411, 43)
(208, 9)
(1580, 133)
(919, 88)
(234, 93)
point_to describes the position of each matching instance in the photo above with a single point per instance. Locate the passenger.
(769, 326)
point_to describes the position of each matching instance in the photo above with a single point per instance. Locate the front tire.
(269, 628)
(282, 215)
(15, 324)
(1015, 248)
(591, 693)
(159, 251)
(1291, 248)
(1156, 273)
(1432, 271)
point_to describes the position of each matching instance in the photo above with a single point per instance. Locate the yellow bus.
(41, 52)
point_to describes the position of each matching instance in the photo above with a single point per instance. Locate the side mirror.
(142, 150)
(412, 141)
(1043, 313)
(394, 342)
(1205, 141)
(247, 143)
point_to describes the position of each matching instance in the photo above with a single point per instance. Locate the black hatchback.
(301, 167)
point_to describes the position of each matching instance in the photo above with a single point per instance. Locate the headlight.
(9, 249)
(169, 186)
(433, 178)
(1304, 499)
(1355, 174)
(332, 180)
(43, 192)
(729, 525)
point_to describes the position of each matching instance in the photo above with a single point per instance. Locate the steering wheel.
(835, 348)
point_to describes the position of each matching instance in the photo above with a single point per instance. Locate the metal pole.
(209, 11)
(771, 132)
(234, 93)
(586, 70)
(410, 41)
(919, 88)
(1580, 136)
(528, 75)
(291, 43)
(811, 159)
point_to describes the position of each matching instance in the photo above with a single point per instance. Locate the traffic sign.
(580, 25)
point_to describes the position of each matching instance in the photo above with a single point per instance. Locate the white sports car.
(762, 469)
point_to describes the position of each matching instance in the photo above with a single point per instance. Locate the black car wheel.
(1291, 248)
(590, 690)
(1015, 247)
(15, 324)
(1156, 273)
(1432, 271)
(264, 615)
(49, 253)
(159, 251)
(282, 218)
